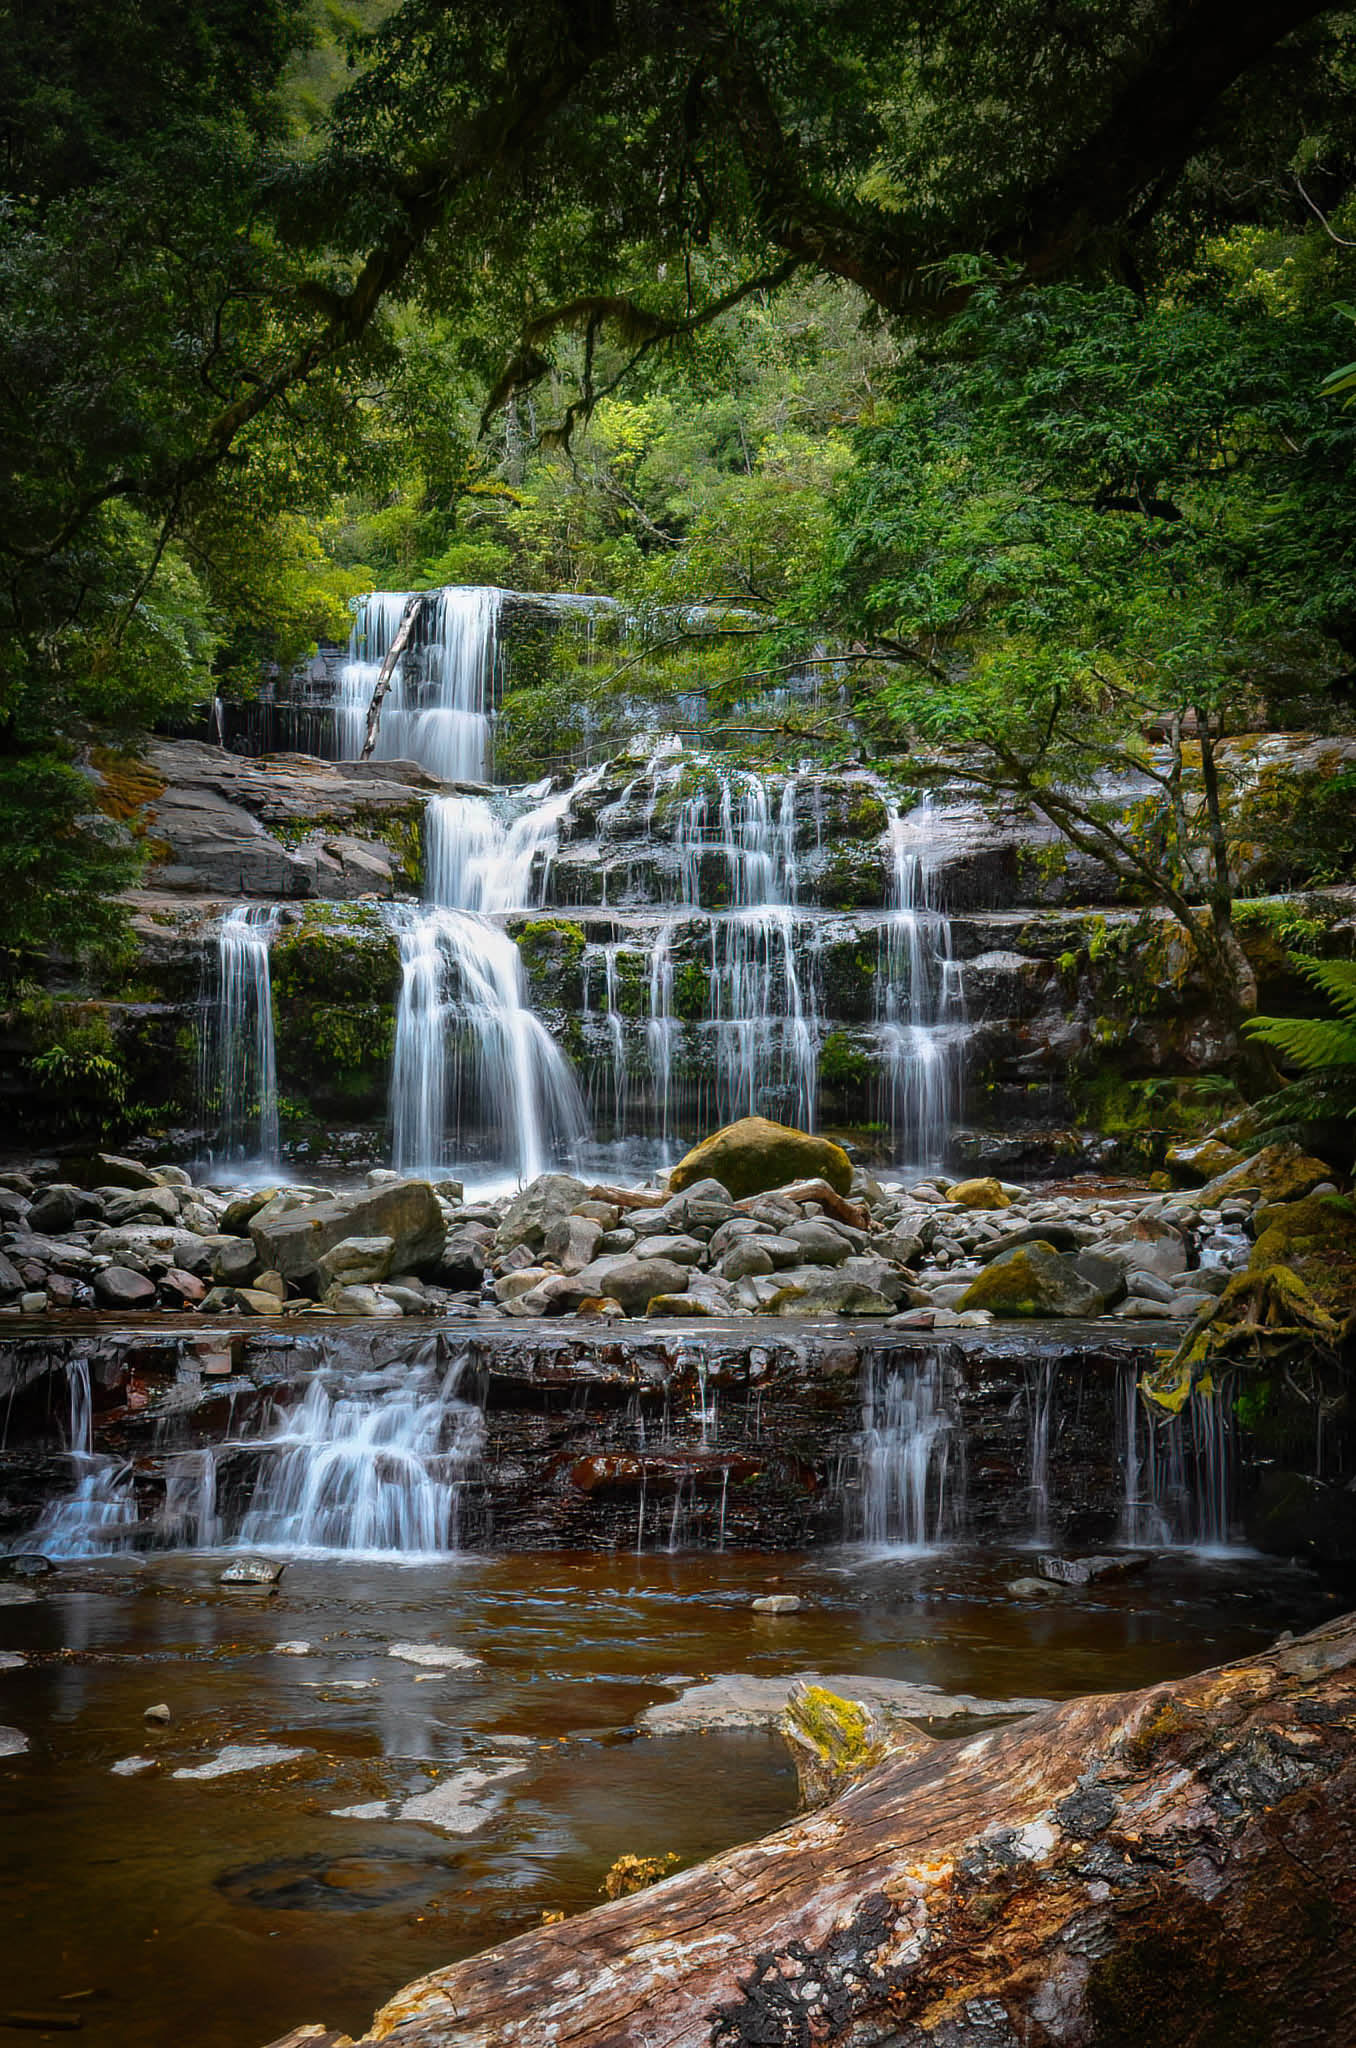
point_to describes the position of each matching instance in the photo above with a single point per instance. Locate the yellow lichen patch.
(636, 1873)
(126, 783)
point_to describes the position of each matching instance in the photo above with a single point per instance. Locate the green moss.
(841, 1063)
(691, 992)
(400, 831)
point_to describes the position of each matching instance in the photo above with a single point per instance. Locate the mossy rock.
(1201, 1159)
(1033, 1280)
(1281, 1173)
(985, 1193)
(754, 1155)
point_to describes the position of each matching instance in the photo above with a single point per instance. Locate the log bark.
(383, 683)
(1174, 1866)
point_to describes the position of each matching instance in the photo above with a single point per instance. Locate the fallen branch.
(1176, 1865)
(396, 649)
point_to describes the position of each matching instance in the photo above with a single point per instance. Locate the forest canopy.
(984, 346)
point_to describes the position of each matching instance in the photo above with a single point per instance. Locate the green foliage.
(1321, 1045)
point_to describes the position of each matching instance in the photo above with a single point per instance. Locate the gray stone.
(357, 1261)
(434, 1656)
(1103, 1274)
(252, 1571)
(463, 1260)
(159, 1715)
(572, 1241)
(1032, 1589)
(1030, 1280)
(777, 1603)
(120, 1287)
(241, 1756)
(1086, 1571)
(361, 1301)
(407, 1212)
(820, 1244)
(555, 1294)
(737, 1700)
(13, 1742)
(11, 1280)
(743, 1258)
(631, 1280)
(530, 1214)
(14, 1209)
(1147, 1286)
(681, 1249)
(235, 1262)
(143, 1205)
(60, 1207)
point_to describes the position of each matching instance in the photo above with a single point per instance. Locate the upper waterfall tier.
(441, 688)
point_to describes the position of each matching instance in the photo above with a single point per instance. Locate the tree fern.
(1325, 1047)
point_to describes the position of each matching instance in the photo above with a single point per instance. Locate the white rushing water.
(911, 1456)
(239, 1080)
(440, 704)
(920, 1010)
(99, 1515)
(1176, 1472)
(375, 1465)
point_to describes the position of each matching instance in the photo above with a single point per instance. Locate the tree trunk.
(383, 684)
(1175, 1866)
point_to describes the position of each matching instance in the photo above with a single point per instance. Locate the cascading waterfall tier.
(910, 1457)
(440, 704)
(239, 1080)
(1177, 1472)
(99, 1515)
(920, 1007)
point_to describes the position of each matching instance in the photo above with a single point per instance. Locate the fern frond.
(1307, 1042)
(1337, 979)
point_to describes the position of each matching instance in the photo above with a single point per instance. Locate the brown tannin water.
(431, 1811)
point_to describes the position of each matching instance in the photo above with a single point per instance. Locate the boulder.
(744, 1258)
(985, 1193)
(294, 1242)
(572, 1240)
(553, 1294)
(143, 1205)
(754, 1155)
(235, 1262)
(356, 1301)
(677, 1246)
(61, 1207)
(120, 1287)
(1280, 1173)
(240, 1211)
(1033, 1280)
(541, 1203)
(1087, 1571)
(1198, 1159)
(180, 1289)
(823, 1291)
(463, 1261)
(820, 1244)
(357, 1261)
(632, 1281)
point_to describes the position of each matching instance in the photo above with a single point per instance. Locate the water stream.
(238, 1082)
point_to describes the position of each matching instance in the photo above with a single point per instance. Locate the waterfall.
(1040, 1393)
(1176, 1471)
(376, 1466)
(439, 708)
(910, 1456)
(476, 1074)
(99, 1516)
(239, 1080)
(919, 1001)
(761, 1018)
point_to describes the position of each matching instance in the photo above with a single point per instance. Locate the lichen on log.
(1175, 1865)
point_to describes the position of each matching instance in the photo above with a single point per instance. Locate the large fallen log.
(1172, 1868)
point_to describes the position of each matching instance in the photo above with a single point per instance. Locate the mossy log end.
(1176, 1865)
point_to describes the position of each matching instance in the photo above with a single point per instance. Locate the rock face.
(293, 1241)
(754, 1155)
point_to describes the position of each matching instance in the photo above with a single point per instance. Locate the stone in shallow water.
(1085, 1571)
(452, 1805)
(297, 1649)
(435, 1656)
(132, 1766)
(777, 1603)
(738, 1700)
(12, 1660)
(252, 1571)
(368, 1809)
(241, 1756)
(13, 1742)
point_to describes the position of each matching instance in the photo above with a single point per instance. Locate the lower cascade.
(912, 1456)
(376, 1466)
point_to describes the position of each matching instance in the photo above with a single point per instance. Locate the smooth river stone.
(240, 1756)
(452, 1805)
(436, 1656)
(13, 1742)
(737, 1700)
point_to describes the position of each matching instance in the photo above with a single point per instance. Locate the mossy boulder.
(1201, 1159)
(1034, 1280)
(1281, 1173)
(984, 1193)
(754, 1155)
